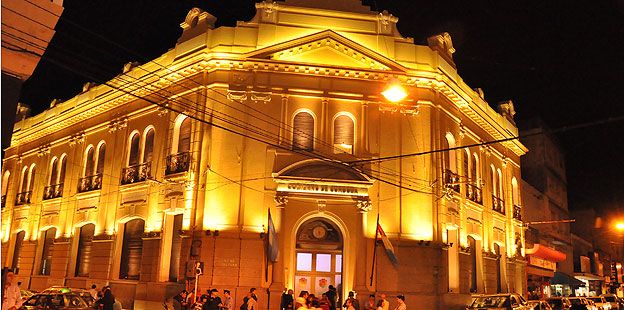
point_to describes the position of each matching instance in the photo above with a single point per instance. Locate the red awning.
(546, 253)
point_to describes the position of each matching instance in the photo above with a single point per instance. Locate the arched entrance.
(318, 257)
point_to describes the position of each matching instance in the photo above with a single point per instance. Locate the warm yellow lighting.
(620, 226)
(395, 92)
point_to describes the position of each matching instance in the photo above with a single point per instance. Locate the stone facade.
(283, 114)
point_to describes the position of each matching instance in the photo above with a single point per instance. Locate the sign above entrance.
(320, 188)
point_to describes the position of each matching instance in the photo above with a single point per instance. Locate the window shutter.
(89, 163)
(134, 151)
(303, 131)
(101, 156)
(343, 130)
(61, 178)
(84, 250)
(53, 172)
(148, 149)
(184, 141)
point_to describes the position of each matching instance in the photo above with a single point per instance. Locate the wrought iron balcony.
(23, 198)
(498, 205)
(451, 180)
(517, 212)
(53, 191)
(90, 183)
(474, 193)
(3, 200)
(177, 163)
(136, 173)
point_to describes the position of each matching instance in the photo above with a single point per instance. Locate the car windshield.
(610, 298)
(490, 302)
(595, 299)
(576, 301)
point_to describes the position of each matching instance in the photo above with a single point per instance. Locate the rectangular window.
(304, 261)
(338, 263)
(323, 262)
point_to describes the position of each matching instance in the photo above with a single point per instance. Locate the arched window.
(84, 250)
(148, 146)
(101, 157)
(61, 175)
(344, 133)
(89, 161)
(24, 180)
(133, 152)
(493, 183)
(303, 131)
(451, 158)
(499, 182)
(181, 135)
(53, 178)
(472, 245)
(31, 178)
(475, 170)
(19, 240)
(466, 163)
(5, 185)
(132, 250)
(515, 194)
(46, 254)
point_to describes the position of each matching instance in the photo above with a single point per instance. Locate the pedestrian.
(11, 295)
(400, 302)
(370, 304)
(107, 301)
(332, 296)
(354, 302)
(252, 301)
(228, 303)
(214, 301)
(253, 293)
(300, 303)
(379, 305)
(324, 302)
(349, 304)
(286, 302)
(94, 292)
(304, 294)
(385, 303)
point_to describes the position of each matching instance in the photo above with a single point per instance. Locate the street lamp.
(619, 226)
(395, 92)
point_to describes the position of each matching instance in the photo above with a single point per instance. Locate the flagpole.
(374, 251)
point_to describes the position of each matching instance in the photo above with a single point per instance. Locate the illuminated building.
(137, 191)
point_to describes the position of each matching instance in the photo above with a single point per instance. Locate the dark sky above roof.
(559, 60)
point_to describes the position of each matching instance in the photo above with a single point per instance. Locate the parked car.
(600, 302)
(539, 305)
(559, 303)
(613, 300)
(86, 296)
(499, 301)
(55, 301)
(581, 303)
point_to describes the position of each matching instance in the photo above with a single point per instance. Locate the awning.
(588, 276)
(546, 253)
(540, 272)
(565, 279)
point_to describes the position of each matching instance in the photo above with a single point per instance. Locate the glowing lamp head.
(394, 92)
(620, 226)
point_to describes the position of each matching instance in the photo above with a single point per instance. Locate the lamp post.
(394, 93)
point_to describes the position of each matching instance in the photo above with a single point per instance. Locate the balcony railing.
(53, 191)
(177, 163)
(23, 198)
(517, 212)
(474, 193)
(3, 200)
(90, 183)
(136, 173)
(451, 180)
(498, 205)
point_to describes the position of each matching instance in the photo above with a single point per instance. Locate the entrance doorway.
(318, 257)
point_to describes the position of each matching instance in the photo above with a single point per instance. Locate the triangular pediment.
(326, 48)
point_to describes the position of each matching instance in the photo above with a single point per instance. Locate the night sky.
(560, 60)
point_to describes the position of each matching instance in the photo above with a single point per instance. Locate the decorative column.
(364, 128)
(283, 132)
(323, 132)
(361, 273)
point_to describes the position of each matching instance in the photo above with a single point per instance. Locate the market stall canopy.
(565, 279)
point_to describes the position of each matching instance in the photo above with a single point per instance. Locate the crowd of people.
(329, 301)
(187, 300)
(104, 298)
